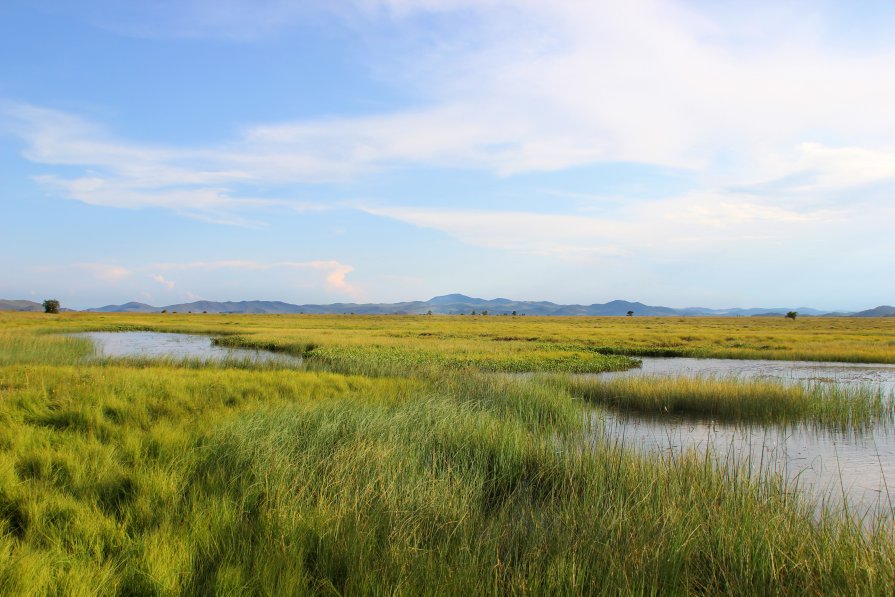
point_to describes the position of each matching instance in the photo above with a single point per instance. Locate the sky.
(689, 153)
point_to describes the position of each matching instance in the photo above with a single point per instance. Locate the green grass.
(393, 360)
(737, 400)
(815, 339)
(144, 477)
(18, 347)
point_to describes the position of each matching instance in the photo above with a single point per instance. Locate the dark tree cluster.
(51, 306)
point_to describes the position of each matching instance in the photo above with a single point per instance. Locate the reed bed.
(757, 401)
(391, 360)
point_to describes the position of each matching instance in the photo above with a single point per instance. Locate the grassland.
(869, 340)
(401, 474)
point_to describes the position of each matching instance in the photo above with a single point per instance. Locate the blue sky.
(676, 153)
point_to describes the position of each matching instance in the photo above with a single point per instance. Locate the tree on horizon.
(51, 306)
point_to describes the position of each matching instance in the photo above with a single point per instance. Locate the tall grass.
(147, 480)
(18, 347)
(432, 498)
(737, 400)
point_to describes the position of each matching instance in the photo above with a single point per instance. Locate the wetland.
(385, 455)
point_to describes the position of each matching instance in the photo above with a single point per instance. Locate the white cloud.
(104, 271)
(163, 281)
(527, 86)
(697, 222)
(335, 279)
(837, 168)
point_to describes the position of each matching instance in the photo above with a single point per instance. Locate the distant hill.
(131, 307)
(8, 305)
(881, 311)
(23, 305)
(455, 304)
(271, 307)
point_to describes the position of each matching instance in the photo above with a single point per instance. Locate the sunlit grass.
(814, 339)
(28, 347)
(392, 360)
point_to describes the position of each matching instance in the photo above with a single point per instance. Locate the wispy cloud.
(696, 222)
(104, 271)
(204, 183)
(169, 284)
(842, 167)
(334, 272)
(529, 86)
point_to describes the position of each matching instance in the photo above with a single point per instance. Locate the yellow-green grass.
(758, 401)
(807, 338)
(173, 480)
(123, 477)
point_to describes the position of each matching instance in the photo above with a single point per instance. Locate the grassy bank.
(755, 401)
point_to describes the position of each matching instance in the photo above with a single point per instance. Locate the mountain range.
(453, 304)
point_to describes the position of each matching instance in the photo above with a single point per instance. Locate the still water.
(842, 468)
(179, 346)
(845, 469)
(871, 375)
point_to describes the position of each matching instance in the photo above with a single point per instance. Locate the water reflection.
(179, 346)
(871, 375)
(843, 468)
(849, 469)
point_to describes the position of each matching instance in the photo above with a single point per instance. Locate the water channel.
(180, 346)
(868, 375)
(844, 468)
